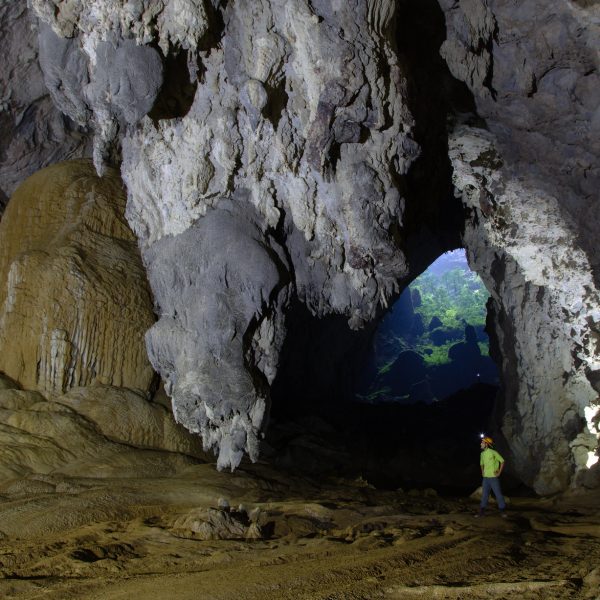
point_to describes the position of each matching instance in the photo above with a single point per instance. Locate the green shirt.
(490, 462)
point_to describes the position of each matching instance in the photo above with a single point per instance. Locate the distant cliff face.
(327, 152)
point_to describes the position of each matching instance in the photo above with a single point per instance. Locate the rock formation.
(74, 302)
(314, 165)
(103, 431)
(34, 132)
(288, 157)
(530, 182)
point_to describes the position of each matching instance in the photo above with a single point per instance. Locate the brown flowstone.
(74, 302)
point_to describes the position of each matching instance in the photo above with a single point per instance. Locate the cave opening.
(432, 343)
(330, 412)
(400, 403)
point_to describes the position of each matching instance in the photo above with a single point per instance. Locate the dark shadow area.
(388, 445)
(435, 99)
(416, 437)
(277, 101)
(177, 92)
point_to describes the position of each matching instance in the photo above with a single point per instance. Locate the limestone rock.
(74, 302)
(212, 346)
(314, 169)
(214, 524)
(292, 160)
(544, 113)
(106, 431)
(110, 76)
(127, 417)
(6, 383)
(33, 131)
(293, 132)
(544, 302)
(529, 183)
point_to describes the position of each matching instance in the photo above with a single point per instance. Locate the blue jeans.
(492, 483)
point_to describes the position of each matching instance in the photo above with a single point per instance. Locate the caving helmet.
(487, 440)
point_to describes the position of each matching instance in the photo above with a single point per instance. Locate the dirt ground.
(259, 534)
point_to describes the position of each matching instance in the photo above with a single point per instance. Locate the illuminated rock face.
(301, 170)
(530, 185)
(545, 307)
(74, 302)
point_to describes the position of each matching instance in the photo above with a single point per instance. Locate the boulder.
(418, 328)
(408, 369)
(470, 335)
(442, 335)
(467, 353)
(434, 323)
(416, 297)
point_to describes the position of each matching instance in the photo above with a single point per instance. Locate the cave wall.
(308, 151)
(74, 299)
(34, 131)
(529, 181)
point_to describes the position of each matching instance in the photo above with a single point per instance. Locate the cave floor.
(64, 537)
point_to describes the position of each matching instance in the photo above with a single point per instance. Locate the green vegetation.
(443, 309)
(457, 297)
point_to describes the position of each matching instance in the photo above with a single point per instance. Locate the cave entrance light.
(432, 343)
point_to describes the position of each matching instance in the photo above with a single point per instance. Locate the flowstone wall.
(74, 301)
(303, 169)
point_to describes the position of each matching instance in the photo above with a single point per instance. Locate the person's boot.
(481, 513)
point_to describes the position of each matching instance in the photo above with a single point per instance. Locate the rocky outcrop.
(544, 303)
(74, 302)
(34, 132)
(110, 77)
(95, 431)
(534, 74)
(290, 157)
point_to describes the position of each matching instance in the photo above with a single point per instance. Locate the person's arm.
(501, 467)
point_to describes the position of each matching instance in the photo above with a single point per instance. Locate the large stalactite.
(316, 164)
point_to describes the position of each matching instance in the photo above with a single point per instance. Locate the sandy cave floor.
(64, 537)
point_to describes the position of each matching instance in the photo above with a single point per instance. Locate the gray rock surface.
(99, 65)
(33, 131)
(534, 74)
(294, 124)
(545, 303)
(530, 184)
(217, 348)
(114, 86)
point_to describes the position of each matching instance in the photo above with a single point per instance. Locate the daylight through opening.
(432, 343)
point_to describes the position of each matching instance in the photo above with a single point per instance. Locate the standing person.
(492, 464)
